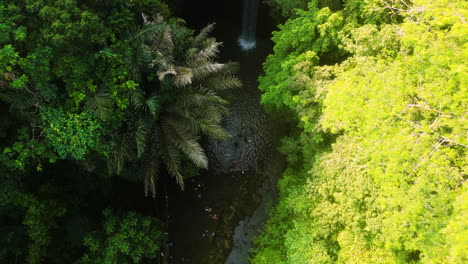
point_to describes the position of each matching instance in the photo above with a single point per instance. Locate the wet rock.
(227, 244)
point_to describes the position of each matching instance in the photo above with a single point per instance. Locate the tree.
(378, 162)
(182, 104)
(123, 238)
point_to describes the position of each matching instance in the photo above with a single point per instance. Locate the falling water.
(249, 23)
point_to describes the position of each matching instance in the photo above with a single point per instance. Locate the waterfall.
(249, 23)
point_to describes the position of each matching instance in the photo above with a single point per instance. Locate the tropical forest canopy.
(378, 158)
(95, 96)
(102, 102)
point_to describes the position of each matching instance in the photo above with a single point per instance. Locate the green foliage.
(286, 8)
(125, 238)
(300, 41)
(40, 219)
(66, 84)
(457, 229)
(378, 164)
(290, 8)
(62, 65)
(26, 152)
(72, 135)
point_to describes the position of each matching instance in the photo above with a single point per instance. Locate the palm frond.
(185, 141)
(191, 54)
(147, 33)
(197, 99)
(163, 43)
(183, 77)
(143, 56)
(209, 52)
(179, 21)
(152, 164)
(161, 61)
(222, 82)
(158, 18)
(139, 61)
(203, 34)
(145, 104)
(142, 134)
(171, 158)
(231, 68)
(153, 104)
(163, 74)
(138, 100)
(166, 38)
(145, 19)
(122, 152)
(210, 112)
(207, 127)
(101, 103)
(206, 69)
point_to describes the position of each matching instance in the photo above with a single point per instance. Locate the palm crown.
(168, 117)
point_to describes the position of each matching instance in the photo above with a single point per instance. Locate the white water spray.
(247, 39)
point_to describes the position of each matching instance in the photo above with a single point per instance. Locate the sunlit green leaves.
(390, 188)
(72, 135)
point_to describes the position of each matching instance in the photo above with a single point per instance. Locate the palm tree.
(167, 119)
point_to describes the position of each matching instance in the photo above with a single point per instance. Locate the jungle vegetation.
(97, 98)
(377, 157)
(100, 100)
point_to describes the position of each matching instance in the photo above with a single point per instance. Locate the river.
(222, 209)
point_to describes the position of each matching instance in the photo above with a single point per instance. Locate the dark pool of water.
(203, 218)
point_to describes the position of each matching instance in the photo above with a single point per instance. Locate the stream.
(214, 220)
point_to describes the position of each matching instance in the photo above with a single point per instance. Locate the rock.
(227, 244)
